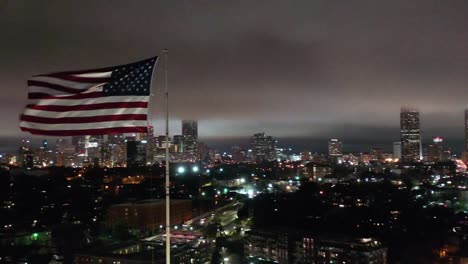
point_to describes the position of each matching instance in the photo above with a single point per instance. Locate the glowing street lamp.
(181, 170)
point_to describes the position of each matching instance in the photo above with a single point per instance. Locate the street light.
(181, 170)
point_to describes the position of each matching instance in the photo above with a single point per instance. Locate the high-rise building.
(178, 144)
(238, 154)
(436, 151)
(397, 150)
(377, 154)
(190, 139)
(465, 152)
(26, 155)
(410, 136)
(117, 150)
(263, 147)
(203, 152)
(136, 153)
(335, 149)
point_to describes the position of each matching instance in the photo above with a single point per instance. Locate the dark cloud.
(295, 69)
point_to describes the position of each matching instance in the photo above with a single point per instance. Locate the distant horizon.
(298, 144)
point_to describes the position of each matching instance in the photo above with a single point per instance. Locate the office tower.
(263, 147)
(136, 153)
(190, 139)
(178, 144)
(377, 154)
(465, 152)
(436, 151)
(410, 136)
(26, 155)
(238, 155)
(203, 152)
(65, 153)
(335, 150)
(150, 141)
(397, 150)
(96, 151)
(79, 143)
(116, 146)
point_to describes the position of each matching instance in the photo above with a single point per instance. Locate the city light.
(195, 169)
(181, 170)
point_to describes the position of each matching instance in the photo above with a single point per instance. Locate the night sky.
(303, 71)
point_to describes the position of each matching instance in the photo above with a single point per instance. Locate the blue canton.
(131, 79)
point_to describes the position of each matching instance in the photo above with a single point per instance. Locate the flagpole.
(168, 203)
(150, 124)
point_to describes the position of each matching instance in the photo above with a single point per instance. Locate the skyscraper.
(397, 150)
(437, 151)
(136, 153)
(190, 138)
(465, 152)
(335, 149)
(410, 135)
(263, 147)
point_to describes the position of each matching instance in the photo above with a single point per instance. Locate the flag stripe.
(65, 83)
(67, 108)
(51, 86)
(95, 74)
(99, 131)
(91, 101)
(76, 78)
(81, 119)
(78, 113)
(64, 97)
(78, 126)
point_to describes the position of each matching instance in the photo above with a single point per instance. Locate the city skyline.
(261, 75)
(315, 144)
(229, 132)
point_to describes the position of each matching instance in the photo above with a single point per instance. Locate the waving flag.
(89, 102)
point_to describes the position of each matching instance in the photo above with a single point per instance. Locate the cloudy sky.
(305, 70)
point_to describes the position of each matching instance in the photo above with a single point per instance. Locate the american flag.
(90, 102)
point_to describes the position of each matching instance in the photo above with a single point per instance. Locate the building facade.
(190, 139)
(263, 147)
(335, 150)
(410, 136)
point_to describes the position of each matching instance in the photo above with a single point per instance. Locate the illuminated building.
(117, 150)
(45, 155)
(299, 246)
(96, 150)
(365, 157)
(148, 214)
(65, 153)
(26, 155)
(335, 150)
(305, 155)
(150, 141)
(136, 153)
(465, 152)
(263, 147)
(190, 139)
(377, 154)
(238, 155)
(397, 150)
(410, 136)
(436, 151)
(203, 151)
(314, 171)
(178, 144)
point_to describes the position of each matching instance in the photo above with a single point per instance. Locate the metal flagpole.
(150, 124)
(168, 203)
